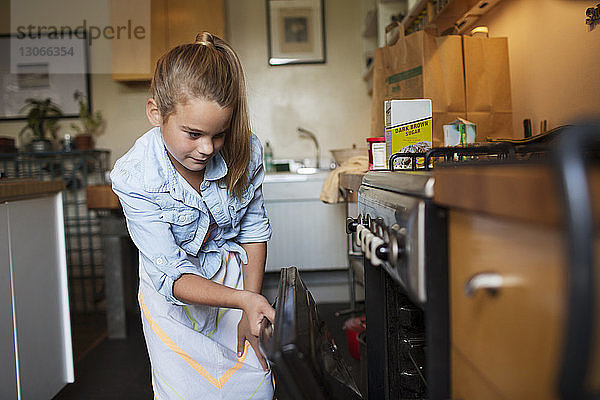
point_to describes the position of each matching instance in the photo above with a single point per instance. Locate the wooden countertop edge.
(526, 192)
(101, 197)
(351, 181)
(20, 189)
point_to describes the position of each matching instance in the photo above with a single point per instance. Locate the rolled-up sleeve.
(255, 226)
(164, 260)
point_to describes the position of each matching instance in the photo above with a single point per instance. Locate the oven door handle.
(581, 316)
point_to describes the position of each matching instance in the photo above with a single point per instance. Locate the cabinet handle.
(490, 281)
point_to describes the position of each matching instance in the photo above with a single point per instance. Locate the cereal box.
(408, 129)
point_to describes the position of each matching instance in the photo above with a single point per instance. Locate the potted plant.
(92, 124)
(41, 123)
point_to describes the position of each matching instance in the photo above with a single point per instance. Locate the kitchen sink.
(303, 174)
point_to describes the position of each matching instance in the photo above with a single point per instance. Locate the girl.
(192, 196)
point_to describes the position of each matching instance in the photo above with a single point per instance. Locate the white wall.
(328, 99)
(554, 59)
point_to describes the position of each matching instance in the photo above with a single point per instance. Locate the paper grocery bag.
(417, 66)
(487, 85)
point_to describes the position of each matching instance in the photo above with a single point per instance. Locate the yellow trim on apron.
(218, 383)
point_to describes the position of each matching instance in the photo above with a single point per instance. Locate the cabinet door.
(188, 17)
(8, 372)
(171, 22)
(40, 296)
(508, 342)
(132, 58)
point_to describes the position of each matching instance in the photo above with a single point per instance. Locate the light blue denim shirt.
(168, 220)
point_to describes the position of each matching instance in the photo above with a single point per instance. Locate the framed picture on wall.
(296, 32)
(43, 67)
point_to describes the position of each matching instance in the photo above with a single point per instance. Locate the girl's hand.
(256, 307)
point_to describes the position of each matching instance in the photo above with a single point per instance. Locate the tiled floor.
(119, 369)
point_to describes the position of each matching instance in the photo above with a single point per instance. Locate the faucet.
(309, 135)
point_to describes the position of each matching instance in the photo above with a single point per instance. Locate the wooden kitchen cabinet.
(507, 343)
(172, 22)
(507, 221)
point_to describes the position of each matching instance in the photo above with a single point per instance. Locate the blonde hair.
(209, 69)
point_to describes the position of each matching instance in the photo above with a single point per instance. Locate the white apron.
(193, 349)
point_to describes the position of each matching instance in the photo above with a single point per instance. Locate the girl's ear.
(153, 113)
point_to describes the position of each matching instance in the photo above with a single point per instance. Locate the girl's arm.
(253, 277)
(255, 269)
(198, 290)
(194, 289)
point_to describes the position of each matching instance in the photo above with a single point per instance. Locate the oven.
(403, 237)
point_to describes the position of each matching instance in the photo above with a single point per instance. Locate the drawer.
(512, 339)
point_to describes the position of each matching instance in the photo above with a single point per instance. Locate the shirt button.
(218, 209)
(181, 218)
(159, 261)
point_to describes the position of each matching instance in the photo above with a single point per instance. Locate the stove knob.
(382, 252)
(366, 237)
(351, 224)
(358, 239)
(367, 221)
(376, 255)
(397, 245)
(379, 226)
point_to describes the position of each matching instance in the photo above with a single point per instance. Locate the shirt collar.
(216, 168)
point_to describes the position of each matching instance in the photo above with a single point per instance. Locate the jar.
(377, 153)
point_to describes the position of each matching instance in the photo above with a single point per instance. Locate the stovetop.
(411, 183)
(411, 173)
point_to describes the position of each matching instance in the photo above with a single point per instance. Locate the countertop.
(526, 192)
(19, 189)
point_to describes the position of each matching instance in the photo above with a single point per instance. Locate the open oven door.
(305, 361)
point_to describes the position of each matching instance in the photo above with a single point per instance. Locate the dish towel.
(330, 193)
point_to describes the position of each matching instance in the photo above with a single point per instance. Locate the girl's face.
(194, 133)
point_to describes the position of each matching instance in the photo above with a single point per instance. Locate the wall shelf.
(446, 16)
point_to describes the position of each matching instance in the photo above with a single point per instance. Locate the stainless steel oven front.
(402, 235)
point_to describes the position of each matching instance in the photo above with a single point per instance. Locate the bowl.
(342, 155)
